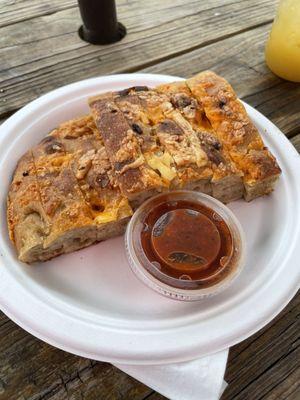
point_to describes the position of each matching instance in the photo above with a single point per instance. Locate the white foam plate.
(90, 303)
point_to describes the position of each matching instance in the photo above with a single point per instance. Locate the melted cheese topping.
(114, 211)
(163, 165)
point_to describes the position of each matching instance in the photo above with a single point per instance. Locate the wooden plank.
(20, 10)
(281, 105)
(239, 58)
(288, 387)
(284, 371)
(49, 54)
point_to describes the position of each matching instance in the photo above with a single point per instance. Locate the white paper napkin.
(200, 379)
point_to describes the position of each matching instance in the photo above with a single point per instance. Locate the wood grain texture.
(13, 11)
(45, 52)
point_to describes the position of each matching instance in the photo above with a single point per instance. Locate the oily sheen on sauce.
(187, 241)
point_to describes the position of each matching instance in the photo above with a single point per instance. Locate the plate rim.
(155, 356)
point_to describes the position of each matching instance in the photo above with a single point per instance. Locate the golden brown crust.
(226, 180)
(26, 218)
(123, 149)
(177, 140)
(234, 128)
(225, 112)
(136, 112)
(23, 193)
(74, 187)
(50, 211)
(258, 165)
(183, 101)
(91, 167)
(61, 197)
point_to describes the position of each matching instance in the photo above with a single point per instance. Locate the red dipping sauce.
(184, 240)
(189, 240)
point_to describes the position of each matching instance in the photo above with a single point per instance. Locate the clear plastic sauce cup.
(185, 245)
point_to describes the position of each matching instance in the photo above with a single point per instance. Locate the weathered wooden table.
(39, 51)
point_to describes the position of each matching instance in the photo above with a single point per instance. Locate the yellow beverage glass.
(283, 45)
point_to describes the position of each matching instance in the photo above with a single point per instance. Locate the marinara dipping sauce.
(185, 245)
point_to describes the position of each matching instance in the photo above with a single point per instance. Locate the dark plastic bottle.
(100, 24)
